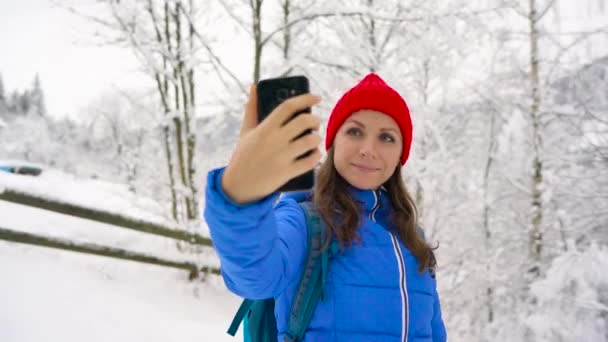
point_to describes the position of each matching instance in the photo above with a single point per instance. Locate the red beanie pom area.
(372, 93)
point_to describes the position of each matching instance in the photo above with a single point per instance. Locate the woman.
(381, 286)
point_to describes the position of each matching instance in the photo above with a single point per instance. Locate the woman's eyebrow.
(356, 122)
(362, 125)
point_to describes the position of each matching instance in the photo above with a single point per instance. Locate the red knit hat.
(372, 93)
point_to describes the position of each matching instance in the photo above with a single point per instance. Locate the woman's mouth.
(364, 168)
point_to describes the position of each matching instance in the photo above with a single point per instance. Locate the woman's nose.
(367, 148)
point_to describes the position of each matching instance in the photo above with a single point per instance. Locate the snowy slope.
(52, 295)
(49, 295)
(91, 193)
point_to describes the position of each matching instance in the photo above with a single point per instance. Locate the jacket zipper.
(376, 206)
(401, 267)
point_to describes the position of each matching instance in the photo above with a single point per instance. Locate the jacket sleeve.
(261, 245)
(439, 332)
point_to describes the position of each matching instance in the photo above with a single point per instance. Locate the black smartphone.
(271, 93)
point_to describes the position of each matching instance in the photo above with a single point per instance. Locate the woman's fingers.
(267, 156)
(302, 145)
(307, 163)
(288, 108)
(300, 124)
(250, 119)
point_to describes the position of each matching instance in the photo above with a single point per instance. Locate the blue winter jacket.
(373, 290)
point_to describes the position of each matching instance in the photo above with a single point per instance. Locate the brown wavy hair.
(341, 212)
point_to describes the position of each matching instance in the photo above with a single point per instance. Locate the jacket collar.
(370, 199)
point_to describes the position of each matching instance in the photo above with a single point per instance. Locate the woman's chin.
(363, 183)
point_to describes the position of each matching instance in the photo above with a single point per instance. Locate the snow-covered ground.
(91, 193)
(52, 295)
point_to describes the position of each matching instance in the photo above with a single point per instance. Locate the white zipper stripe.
(402, 278)
(402, 288)
(375, 208)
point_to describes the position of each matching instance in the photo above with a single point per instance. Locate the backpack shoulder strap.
(240, 315)
(310, 287)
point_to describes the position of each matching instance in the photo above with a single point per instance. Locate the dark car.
(21, 169)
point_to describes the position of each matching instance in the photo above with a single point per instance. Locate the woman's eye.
(387, 138)
(355, 132)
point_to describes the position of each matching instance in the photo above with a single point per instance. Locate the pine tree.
(38, 105)
(2, 97)
(24, 104)
(13, 102)
(3, 102)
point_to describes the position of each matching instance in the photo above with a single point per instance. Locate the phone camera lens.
(282, 94)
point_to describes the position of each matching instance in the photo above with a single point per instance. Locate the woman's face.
(367, 149)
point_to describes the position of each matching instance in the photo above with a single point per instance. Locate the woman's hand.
(265, 156)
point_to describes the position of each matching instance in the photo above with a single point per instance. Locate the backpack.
(258, 315)
(259, 324)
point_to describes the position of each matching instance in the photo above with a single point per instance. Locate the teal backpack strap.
(334, 248)
(240, 315)
(258, 315)
(258, 320)
(311, 286)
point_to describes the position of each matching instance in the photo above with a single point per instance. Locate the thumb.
(250, 120)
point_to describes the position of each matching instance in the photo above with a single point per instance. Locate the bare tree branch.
(542, 13)
(216, 61)
(311, 17)
(238, 20)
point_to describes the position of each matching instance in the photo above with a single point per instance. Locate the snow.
(53, 295)
(50, 224)
(100, 195)
(573, 292)
(50, 295)
(465, 78)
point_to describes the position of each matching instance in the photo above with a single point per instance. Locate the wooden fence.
(119, 221)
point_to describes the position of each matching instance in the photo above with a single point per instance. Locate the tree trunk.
(190, 135)
(423, 144)
(286, 29)
(168, 154)
(535, 231)
(372, 36)
(163, 88)
(177, 120)
(256, 7)
(486, 220)
(536, 236)
(162, 85)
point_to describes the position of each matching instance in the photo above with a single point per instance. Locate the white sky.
(36, 36)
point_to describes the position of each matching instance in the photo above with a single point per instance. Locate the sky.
(39, 37)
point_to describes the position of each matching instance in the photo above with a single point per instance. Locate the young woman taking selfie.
(380, 285)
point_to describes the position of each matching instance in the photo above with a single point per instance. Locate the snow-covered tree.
(509, 106)
(2, 93)
(38, 104)
(25, 102)
(572, 297)
(3, 98)
(162, 36)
